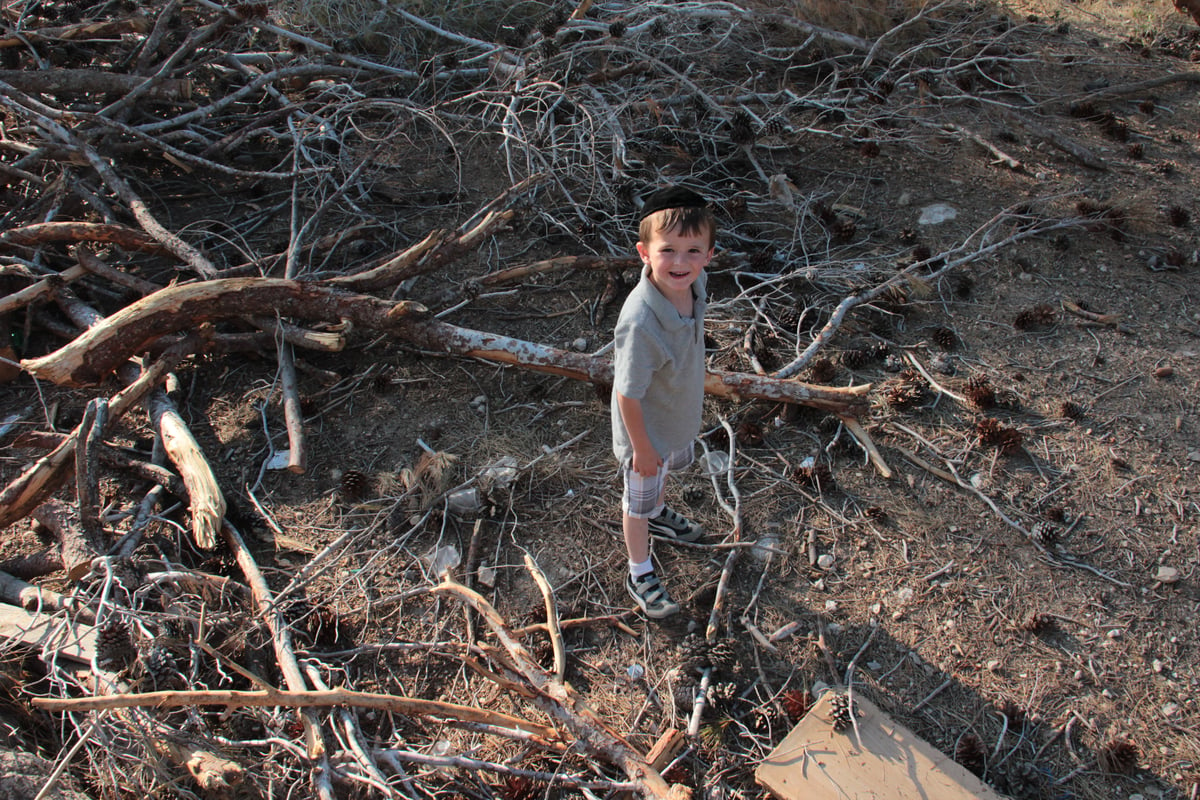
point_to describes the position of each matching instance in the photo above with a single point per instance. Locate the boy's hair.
(689, 220)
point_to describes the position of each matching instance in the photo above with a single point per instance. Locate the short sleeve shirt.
(659, 360)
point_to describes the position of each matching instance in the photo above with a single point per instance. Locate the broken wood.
(879, 758)
(51, 636)
(78, 547)
(206, 501)
(78, 31)
(47, 474)
(213, 772)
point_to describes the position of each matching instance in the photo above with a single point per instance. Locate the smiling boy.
(658, 382)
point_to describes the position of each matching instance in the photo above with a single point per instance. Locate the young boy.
(658, 381)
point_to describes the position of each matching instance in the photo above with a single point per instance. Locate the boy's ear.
(642, 251)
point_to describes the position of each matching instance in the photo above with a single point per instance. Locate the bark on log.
(51, 232)
(78, 548)
(99, 350)
(35, 565)
(84, 82)
(36, 291)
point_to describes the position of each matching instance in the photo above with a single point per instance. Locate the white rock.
(579, 345)
(825, 561)
(831, 606)
(635, 672)
(876, 608)
(936, 214)
(1167, 575)
(487, 577)
(1115, 633)
(993, 665)
(1171, 709)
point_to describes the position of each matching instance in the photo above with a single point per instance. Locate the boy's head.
(676, 208)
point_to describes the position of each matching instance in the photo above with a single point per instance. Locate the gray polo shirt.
(659, 359)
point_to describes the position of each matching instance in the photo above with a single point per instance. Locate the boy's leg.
(667, 522)
(641, 497)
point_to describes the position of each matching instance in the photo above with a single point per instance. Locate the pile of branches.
(221, 179)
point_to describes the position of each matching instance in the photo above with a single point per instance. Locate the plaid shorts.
(641, 492)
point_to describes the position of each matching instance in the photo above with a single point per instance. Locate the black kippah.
(670, 197)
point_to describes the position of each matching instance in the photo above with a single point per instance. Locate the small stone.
(1194, 455)
(1157, 665)
(876, 608)
(993, 665)
(1115, 633)
(1171, 709)
(936, 214)
(1163, 372)
(1167, 575)
(487, 577)
(825, 561)
(831, 606)
(579, 345)
(874, 666)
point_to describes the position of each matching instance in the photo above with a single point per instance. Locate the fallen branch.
(306, 699)
(100, 349)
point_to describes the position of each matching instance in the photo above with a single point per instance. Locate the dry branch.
(49, 232)
(207, 503)
(307, 699)
(79, 31)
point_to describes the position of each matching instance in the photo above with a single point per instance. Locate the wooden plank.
(815, 762)
(52, 635)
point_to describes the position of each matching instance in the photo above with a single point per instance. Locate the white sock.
(637, 570)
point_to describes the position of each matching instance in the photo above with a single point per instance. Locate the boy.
(658, 379)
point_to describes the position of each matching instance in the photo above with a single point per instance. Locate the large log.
(91, 81)
(98, 351)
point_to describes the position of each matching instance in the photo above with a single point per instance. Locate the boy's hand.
(646, 462)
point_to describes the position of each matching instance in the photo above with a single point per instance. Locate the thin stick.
(556, 638)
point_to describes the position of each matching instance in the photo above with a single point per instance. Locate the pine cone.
(980, 392)
(1037, 318)
(821, 370)
(818, 476)
(159, 666)
(970, 753)
(1044, 534)
(741, 128)
(993, 434)
(945, 338)
(355, 484)
(796, 703)
(841, 716)
(1118, 757)
(114, 645)
(1071, 410)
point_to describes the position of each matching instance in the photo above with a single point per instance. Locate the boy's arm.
(646, 460)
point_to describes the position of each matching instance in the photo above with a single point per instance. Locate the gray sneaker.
(651, 596)
(670, 524)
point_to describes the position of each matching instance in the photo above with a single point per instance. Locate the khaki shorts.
(640, 499)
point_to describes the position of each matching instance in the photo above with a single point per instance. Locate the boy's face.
(675, 260)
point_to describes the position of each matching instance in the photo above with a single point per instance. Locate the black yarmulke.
(671, 197)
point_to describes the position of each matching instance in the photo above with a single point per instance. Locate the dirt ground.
(1021, 591)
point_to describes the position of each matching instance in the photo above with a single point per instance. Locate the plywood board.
(883, 761)
(50, 634)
